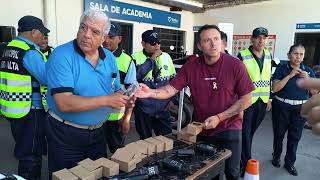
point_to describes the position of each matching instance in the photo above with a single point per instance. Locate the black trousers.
(28, 133)
(68, 145)
(114, 137)
(145, 123)
(286, 119)
(252, 119)
(230, 139)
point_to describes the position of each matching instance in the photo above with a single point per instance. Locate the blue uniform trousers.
(114, 137)
(68, 145)
(231, 140)
(252, 118)
(145, 123)
(286, 118)
(28, 133)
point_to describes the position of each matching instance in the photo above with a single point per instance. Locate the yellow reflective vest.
(165, 62)
(260, 79)
(16, 81)
(123, 63)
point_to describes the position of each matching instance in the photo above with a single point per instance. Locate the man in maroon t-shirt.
(221, 89)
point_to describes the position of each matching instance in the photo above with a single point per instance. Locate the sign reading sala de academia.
(130, 12)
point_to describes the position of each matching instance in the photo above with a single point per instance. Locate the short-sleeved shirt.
(291, 90)
(215, 88)
(69, 71)
(36, 66)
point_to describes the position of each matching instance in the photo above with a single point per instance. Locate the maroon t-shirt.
(215, 88)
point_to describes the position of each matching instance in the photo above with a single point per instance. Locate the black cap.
(27, 23)
(259, 31)
(115, 29)
(150, 36)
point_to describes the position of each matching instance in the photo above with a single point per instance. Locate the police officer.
(23, 96)
(287, 105)
(118, 123)
(45, 48)
(257, 60)
(155, 69)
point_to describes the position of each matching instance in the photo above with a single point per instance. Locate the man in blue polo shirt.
(83, 81)
(22, 74)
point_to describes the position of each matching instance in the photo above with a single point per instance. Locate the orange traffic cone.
(252, 170)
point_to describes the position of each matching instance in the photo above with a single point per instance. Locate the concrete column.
(50, 20)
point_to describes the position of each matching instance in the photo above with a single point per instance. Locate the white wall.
(278, 16)
(12, 10)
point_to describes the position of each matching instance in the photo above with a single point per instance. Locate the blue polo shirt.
(36, 66)
(291, 90)
(69, 71)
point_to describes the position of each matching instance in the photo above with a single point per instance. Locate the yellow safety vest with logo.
(163, 61)
(261, 80)
(123, 63)
(16, 81)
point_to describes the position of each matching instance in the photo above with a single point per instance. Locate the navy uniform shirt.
(291, 90)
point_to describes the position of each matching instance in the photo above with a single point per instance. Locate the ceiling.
(207, 4)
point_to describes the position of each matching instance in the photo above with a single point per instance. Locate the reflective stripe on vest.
(163, 61)
(261, 80)
(16, 83)
(116, 114)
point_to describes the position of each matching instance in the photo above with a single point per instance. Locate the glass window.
(170, 37)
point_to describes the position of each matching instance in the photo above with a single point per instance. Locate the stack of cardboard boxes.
(124, 159)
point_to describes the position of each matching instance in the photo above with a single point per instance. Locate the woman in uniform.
(287, 105)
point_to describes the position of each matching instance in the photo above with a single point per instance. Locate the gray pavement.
(307, 164)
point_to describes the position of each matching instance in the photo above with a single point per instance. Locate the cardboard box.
(91, 166)
(194, 128)
(63, 174)
(126, 159)
(168, 143)
(151, 148)
(159, 144)
(82, 173)
(185, 137)
(136, 148)
(110, 168)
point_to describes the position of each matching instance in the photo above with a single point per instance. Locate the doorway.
(126, 33)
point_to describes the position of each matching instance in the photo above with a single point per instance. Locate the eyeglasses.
(154, 43)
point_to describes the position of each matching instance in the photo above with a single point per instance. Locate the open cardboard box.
(134, 147)
(168, 143)
(185, 137)
(110, 168)
(92, 166)
(82, 173)
(194, 128)
(159, 144)
(127, 160)
(151, 148)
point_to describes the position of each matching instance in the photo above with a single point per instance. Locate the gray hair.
(97, 15)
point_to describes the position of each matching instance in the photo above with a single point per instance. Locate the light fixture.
(191, 3)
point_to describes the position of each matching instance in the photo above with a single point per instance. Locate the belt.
(89, 127)
(290, 101)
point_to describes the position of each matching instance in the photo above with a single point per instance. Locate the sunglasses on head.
(154, 43)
